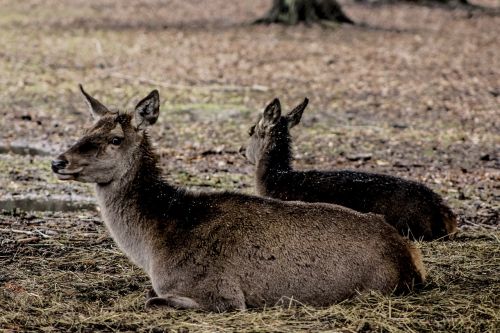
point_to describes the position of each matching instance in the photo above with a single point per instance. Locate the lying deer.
(225, 251)
(412, 208)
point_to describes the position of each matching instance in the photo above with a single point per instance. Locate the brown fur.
(224, 251)
(412, 208)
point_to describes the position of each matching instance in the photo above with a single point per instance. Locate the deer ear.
(293, 118)
(272, 113)
(148, 110)
(97, 109)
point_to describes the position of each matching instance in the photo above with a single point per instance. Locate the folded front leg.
(172, 301)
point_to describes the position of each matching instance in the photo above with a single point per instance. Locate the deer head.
(107, 150)
(270, 127)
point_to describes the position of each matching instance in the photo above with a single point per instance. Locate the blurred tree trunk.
(307, 11)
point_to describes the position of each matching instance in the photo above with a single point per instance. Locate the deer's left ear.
(293, 118)
(272, 113)
(147, 110)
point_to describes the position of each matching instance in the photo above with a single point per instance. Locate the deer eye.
(116, 141)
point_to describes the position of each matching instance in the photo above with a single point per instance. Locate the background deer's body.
(412, 208)
(225, 251)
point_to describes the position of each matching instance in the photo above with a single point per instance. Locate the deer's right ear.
(97, 109)
(294, 116)
(148, 110)
(272, 113)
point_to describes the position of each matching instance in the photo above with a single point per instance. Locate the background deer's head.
(270, 128)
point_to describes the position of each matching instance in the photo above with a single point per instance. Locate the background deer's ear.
(147, 110)
(272, 113)
(97, 109)
(293, 118)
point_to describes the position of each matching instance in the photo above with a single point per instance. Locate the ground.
(410, 90)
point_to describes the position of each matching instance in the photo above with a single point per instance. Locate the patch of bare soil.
(411, 90)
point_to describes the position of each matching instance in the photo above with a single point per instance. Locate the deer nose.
(59, 164)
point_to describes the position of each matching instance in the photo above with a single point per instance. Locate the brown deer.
(412, 208)
(225, 251)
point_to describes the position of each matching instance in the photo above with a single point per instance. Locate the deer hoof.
(150, 294)
(175, 302)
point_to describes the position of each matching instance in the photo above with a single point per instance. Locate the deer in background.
(412, 208)
(225, 251)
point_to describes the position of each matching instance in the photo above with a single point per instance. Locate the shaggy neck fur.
(276, 158)
(132, 206)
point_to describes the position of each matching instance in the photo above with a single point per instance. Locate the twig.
(18, 231)
(28, 240)
(42, 234)
(26, 232)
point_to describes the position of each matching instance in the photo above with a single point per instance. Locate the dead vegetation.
(77, 280)
(413, 91)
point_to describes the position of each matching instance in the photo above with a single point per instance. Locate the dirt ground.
(410, 90)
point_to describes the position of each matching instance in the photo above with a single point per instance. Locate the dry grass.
(77, 280)
(415, 88)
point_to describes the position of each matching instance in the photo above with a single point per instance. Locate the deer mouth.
(68, 174)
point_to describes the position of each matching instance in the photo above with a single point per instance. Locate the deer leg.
(172, 301)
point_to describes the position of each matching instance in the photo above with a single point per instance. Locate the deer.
(411, 207)
(227, 251)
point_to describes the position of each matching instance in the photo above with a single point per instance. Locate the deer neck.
(275, 162)
(130, 206)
